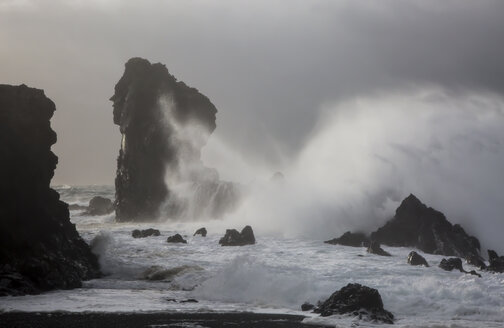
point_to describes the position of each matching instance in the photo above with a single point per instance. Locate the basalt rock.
(145, 233)
(40, 249)
(201, 231)
(235, 238)
(357, 300)
(422, 227)
(496, 262)
(357, 239)
(99, 206)
(177, 238)
(164, 124)
(374, 248)
(416, 259)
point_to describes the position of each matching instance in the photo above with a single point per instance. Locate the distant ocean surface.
(276, 275)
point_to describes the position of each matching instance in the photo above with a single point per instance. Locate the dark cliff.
(164, 124)
(40, 248)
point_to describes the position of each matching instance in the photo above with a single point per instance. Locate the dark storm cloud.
(267, 65)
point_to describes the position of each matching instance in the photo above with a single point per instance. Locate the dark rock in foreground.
(201, 231)
(422, 227)
(177, 238)
(357, 239)
(374, 248)
(235, 238)
(99, 206)
(40, 248)
(496, 262)
(145, 233)
(357, 300)
(416, 259)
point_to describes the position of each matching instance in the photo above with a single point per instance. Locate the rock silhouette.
(40, 248)
(235, 238)
(99, 206)
(416, 259)
(357, 239)
(496, 262)
(201, 231)
(374, 248)
(177, 238)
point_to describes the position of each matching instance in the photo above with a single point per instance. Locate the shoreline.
(157, 319)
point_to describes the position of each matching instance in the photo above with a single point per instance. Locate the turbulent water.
(276, 275)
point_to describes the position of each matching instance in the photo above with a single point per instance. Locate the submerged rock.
(374, 248)
(356, 239)
(145, 233)
(358, 300)
(40, 249)
(422, 227)
(235, 238)
(496, 262)
(201, 231)
(177, 238)
(416, 259)
(99, 206)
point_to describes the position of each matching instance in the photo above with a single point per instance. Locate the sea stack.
(40, 248)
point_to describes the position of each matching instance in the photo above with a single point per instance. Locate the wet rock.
(361, 301)
(177, 238)
(40, 249)
(476, 261)
(357, 239)
(235, 238)
(145, 233)
(496, 262)
(374, 248)
(307, 306)
(451, 264)
(201, 231)
(416, 259)
(99, 206)
(416, 225)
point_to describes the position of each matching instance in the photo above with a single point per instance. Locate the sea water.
(276, 275)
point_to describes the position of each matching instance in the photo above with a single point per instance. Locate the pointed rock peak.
(411, 202)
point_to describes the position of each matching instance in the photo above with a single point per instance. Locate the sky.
(278, 71)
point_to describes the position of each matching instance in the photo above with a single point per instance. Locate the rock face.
(177, 238)
(496, 262)
(235, 238)
(145, 233)
(164, 124)
(357, 239)
(99, 206)
(40, 248)
(374, 248)
(358, 300)
(201, 231)
(416, 225)
(416, 259)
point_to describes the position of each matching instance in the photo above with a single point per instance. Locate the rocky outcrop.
(164, 124)
(235, 238)
(201, 231)
(476, 261)
(357, 239)
(307, 306)
(416, 225)
(40, 249)
(496, 262)
(416, 259)
(357, 300)
(99, 206)
(177, 238)
(374, 248)
(455, 263)
(145, 233)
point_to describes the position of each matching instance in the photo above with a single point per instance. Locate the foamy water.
(276, 275)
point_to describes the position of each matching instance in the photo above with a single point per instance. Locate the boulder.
(416, 225)
(40, 249)
(235, 238)
(374, 248)
(99, 206)
(145, 233)
(416, 259)
(357, 239)
(496, 262)
(357, 300)
(451, 263)
(307, 306)
(177, 238)
(201, 231)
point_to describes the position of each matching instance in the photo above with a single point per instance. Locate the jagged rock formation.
(416, 259)
(416, 225)
(375, 248)
(99, 206)
(201, 231)
(164, 124)
(40, 248)
(145, 233)
(357, 239)
(235, 238)
(361, 301)
(177, 238)
(496, 262)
